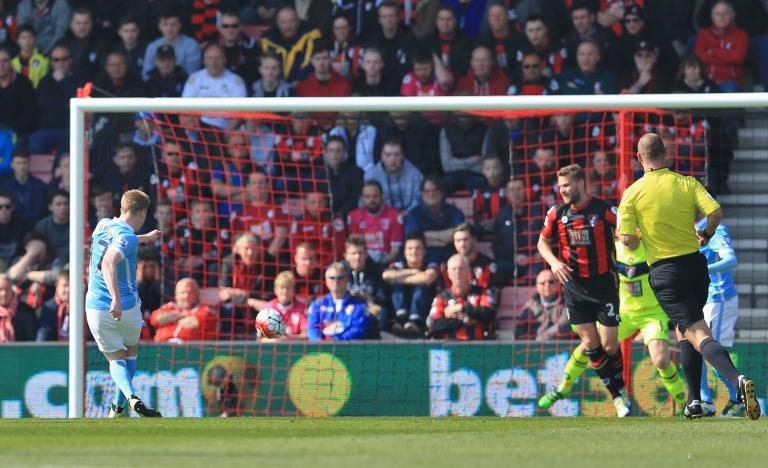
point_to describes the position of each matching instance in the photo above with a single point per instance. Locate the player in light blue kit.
(721, 311)
(112, 304)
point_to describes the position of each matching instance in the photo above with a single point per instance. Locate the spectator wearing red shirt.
(317, 228)
(299, 142)
(247, 275)
(177, 181)
(323, 82)
(346, 55)
(184, 319)
(380, 225)
(200, 243)
(539, 41)
(530, 80)
(488, 200)
(294, 311)
(429, 77)
(307, 273)
(463, 311)
(53, 321)
(723, 49)
(261, 216)
(484, 77)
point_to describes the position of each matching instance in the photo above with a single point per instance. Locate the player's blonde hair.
(573, 171)
(134, 202)
(284, 278)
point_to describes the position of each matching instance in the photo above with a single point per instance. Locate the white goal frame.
(79, 107)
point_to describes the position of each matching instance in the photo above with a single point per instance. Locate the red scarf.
(7, 313)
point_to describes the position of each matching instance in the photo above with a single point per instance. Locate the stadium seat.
(511, 301)
(464, 204)
(41, 166)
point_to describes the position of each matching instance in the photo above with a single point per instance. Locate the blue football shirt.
(721, 285)
(118, 235)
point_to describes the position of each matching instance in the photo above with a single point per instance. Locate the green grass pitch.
(399, 442)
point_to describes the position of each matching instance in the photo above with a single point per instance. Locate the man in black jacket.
(365, 282)
(53, 95)
(344, 177)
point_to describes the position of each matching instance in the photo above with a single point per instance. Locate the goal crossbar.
(80, 106)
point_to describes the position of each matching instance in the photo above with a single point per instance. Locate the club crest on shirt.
(349, 309)
(593, 220)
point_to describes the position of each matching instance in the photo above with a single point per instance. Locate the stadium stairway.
(746, 214)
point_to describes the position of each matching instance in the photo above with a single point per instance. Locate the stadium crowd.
(339, 212)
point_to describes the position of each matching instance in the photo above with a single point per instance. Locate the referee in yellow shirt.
(663, 204)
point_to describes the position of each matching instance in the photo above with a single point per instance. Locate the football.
(270, 323)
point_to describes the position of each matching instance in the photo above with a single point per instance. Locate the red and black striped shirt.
(487, 203)
(584, 236)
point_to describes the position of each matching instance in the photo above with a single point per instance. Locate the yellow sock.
(673, 383)
(576, 366)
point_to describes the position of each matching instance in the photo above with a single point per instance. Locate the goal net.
(247, 193)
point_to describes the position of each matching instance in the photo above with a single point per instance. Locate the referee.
(663, 204)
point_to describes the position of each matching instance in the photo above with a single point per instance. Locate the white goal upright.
(499, 105)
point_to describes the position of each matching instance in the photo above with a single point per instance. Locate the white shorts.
(113, 335)
(721, 318)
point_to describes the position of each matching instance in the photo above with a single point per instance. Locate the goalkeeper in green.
(638, 311)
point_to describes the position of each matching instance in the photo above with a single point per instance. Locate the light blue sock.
(120, 399)
(705, 394)
(118, 369)
(732, 392)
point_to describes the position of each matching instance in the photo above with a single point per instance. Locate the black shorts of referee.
(591, 300)
(681, 286)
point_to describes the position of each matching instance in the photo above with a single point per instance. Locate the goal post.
(79, 107)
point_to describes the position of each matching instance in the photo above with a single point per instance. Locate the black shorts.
(591, 300)
(681, 286)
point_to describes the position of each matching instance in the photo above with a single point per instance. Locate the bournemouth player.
(639, 311)
(663, 205)
(583, 227)
(112, 304)
(721, 311)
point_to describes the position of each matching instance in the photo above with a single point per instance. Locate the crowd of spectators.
(269, 204)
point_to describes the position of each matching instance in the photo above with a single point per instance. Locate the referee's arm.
(714, 213)
(626, 220)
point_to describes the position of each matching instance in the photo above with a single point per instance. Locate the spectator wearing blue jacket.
(337, 316)
(436, 218)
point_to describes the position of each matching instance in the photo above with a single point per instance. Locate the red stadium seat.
(511, 301)
(41, 166)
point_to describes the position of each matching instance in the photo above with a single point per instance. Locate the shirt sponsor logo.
(579, 236)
